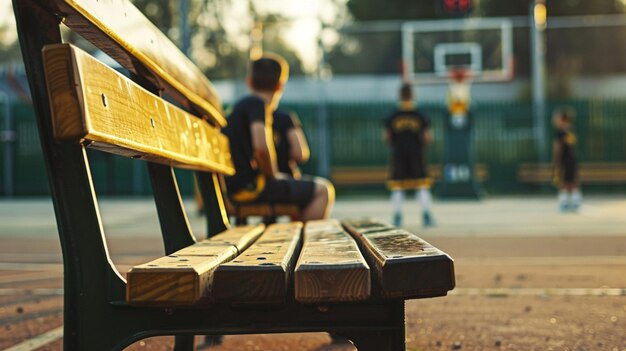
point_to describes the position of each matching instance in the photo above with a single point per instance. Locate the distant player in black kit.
(291, 145)
(407, 130)
(253, 153)
(564, 163)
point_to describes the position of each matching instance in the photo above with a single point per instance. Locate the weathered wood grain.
(262, 273)
(331, 267)
(186, 276)
(241, 237)
(405, 266)
(118, 28)
(94, 104)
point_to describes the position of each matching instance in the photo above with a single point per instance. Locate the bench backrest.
(80, 103)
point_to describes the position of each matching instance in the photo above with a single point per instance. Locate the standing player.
(564, 164)
(252, 148)
(407, 130)
(291, 145)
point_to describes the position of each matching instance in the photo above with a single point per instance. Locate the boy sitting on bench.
(249, 131)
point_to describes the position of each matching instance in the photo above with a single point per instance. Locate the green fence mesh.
(504, 137)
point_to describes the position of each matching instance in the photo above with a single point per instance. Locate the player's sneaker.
(427, 219)
(397, 219)
(563, 208)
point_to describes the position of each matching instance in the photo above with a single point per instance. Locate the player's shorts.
(408, 171)
(283, 191)
(569, 172)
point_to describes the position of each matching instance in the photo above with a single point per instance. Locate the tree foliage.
(220, 51)
(370, 10)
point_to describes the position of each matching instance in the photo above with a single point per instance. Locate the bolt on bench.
(350, 279)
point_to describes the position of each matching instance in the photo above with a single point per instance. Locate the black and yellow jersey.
(406, 129)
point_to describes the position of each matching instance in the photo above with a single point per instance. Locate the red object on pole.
(457, 6)
(464, 5)
(449, 5)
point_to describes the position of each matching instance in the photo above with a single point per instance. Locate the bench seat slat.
(262, 273)
(405, 266)
(331, 267)
(242, 237)
(118, 28)
(93, 103)
(186, 276)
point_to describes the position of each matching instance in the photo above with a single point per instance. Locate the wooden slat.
(331, 267)
(405, 266)
(92, 103)
(186, 276)
(262, 273)
(118, 28)
(241, 237)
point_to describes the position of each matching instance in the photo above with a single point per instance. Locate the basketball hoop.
(460, 74)
(459, 95)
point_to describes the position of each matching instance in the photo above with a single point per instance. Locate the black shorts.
(286, 191)
(569, 171)
(405, 165)
(408, 171)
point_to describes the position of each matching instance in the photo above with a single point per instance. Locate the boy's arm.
(264, 153)
(298, 146)
(427, 136)
(556, 160)
(387, 136)
(387, 130)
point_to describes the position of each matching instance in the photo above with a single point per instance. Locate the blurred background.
(347, 60)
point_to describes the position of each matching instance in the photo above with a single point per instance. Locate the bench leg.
(184, 343)
(391, 338)
(377, 341)
(269, 220)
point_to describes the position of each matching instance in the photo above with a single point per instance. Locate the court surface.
(528, 277)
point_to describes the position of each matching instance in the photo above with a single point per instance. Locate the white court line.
(31, 292)
(543, 260)
(538, 292)
(38, 341)
(17, 266)
(20, 278)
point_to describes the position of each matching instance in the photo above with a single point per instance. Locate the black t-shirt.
(406, 128)
(567, 140)
(248, 110)
(283, 123)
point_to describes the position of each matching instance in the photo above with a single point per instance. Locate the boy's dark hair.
(406, 92)
(266, 73)
(566, 114)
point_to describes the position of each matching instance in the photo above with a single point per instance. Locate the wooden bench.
(351, 278)
(378, 175)
(589, 173)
